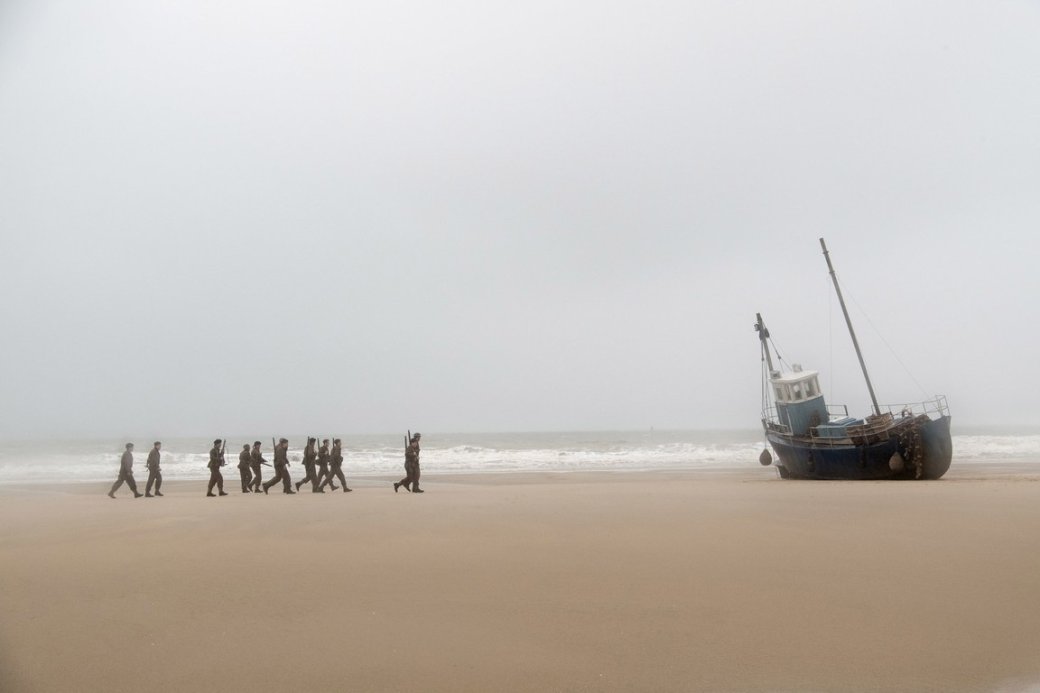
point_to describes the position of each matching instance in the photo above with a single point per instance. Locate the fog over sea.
(94, 460)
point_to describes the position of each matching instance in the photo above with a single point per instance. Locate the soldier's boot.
(111, 494)
(157, 492)
(147, 494)
(137, 495)
(211, 495)
(415, 488)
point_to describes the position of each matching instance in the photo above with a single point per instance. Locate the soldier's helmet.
(257, 443)
(157, 443)
(336, 441)
(283, 440)
(129, 445)
(217, 441)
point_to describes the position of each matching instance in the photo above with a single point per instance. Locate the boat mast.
(763, 335)
(852, 332)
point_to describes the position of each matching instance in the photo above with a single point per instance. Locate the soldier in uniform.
(281, 468)
(243, 468)
(126, 473)
(256, 458)
(154, 473)
(336, 470)
(309, 459)
(411, 467)
(323, 467)
(216, 461)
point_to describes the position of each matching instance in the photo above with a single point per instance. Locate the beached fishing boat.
(814, 440)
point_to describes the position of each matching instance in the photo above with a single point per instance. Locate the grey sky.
(474, 216)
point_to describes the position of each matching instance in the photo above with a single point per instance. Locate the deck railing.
(874, 425)
(932, 408)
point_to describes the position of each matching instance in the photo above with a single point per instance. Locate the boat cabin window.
(798, 391)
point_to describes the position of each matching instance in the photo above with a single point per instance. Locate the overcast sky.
(484, 216)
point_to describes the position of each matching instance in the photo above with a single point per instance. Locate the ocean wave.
(487, 453)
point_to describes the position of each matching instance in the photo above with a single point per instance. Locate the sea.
(373, 455)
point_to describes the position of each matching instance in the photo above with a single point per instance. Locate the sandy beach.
(716, 581)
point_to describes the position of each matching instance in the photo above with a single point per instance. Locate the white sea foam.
(94, 460)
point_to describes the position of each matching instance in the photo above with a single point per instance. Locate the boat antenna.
(852, 332)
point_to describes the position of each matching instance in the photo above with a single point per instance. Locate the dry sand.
(614, 582)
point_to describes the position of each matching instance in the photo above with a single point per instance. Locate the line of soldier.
(322, 467)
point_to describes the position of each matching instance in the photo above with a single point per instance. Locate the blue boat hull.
(805, 458)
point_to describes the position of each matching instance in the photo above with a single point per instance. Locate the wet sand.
(717, 581)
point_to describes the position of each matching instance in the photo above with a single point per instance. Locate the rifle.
(223, 444)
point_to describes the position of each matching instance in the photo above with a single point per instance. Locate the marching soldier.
(126, 473)
(323, 466)
(154, 472)
(309, 457)
(281, 468)
(256, 458)
(243, 468)
(411, 467)
(216, 461)
(336, 470)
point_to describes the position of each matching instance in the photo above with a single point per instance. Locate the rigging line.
(765, 395)
(779, 358)
(776, 350)
(830, 341)
(765, 381)
(885, 342)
